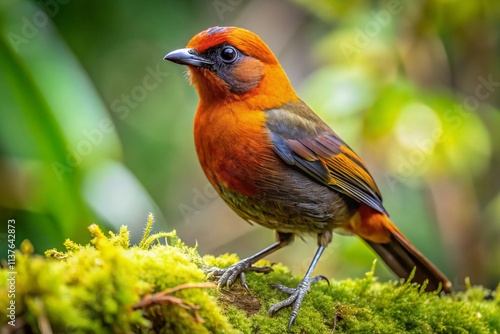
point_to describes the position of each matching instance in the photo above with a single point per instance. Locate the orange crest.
(245, 40)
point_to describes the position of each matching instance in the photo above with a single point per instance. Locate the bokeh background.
(96, 128)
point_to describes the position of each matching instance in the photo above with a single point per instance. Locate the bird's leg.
(298, 294)
(228, 276)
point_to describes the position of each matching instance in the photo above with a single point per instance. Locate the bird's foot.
(228, 276)
(296, 296)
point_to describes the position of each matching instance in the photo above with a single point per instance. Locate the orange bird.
(276, 163)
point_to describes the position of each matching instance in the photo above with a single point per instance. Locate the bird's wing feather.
(301, 139)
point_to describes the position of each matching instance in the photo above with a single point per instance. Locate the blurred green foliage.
(415, 85)
(95, 127)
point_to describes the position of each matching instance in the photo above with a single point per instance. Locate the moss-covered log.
(109, 286)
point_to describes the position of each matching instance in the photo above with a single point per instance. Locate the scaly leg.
(298, 294)
(228, 276)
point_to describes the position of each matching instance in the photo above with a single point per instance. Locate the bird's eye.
(228, 54)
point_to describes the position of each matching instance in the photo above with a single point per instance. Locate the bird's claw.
(228, 276)
(296, 296)
(318, 278)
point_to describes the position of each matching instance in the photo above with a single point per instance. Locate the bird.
(276, 163)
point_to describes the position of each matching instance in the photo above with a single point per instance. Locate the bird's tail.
(398, 253)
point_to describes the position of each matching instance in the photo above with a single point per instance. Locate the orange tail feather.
(398, 253)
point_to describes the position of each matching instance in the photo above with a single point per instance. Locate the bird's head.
(233, 63)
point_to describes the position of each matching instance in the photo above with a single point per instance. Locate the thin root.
(164, 297)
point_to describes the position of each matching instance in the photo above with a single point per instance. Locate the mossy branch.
(109, 286)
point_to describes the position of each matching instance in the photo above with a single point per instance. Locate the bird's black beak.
(187, 57)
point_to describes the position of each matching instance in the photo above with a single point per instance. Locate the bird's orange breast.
(232, 146)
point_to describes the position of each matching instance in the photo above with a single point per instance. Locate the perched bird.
(276, 163)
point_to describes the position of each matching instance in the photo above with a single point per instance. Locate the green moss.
(367, 306)
(97, 287)
(93, 288)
